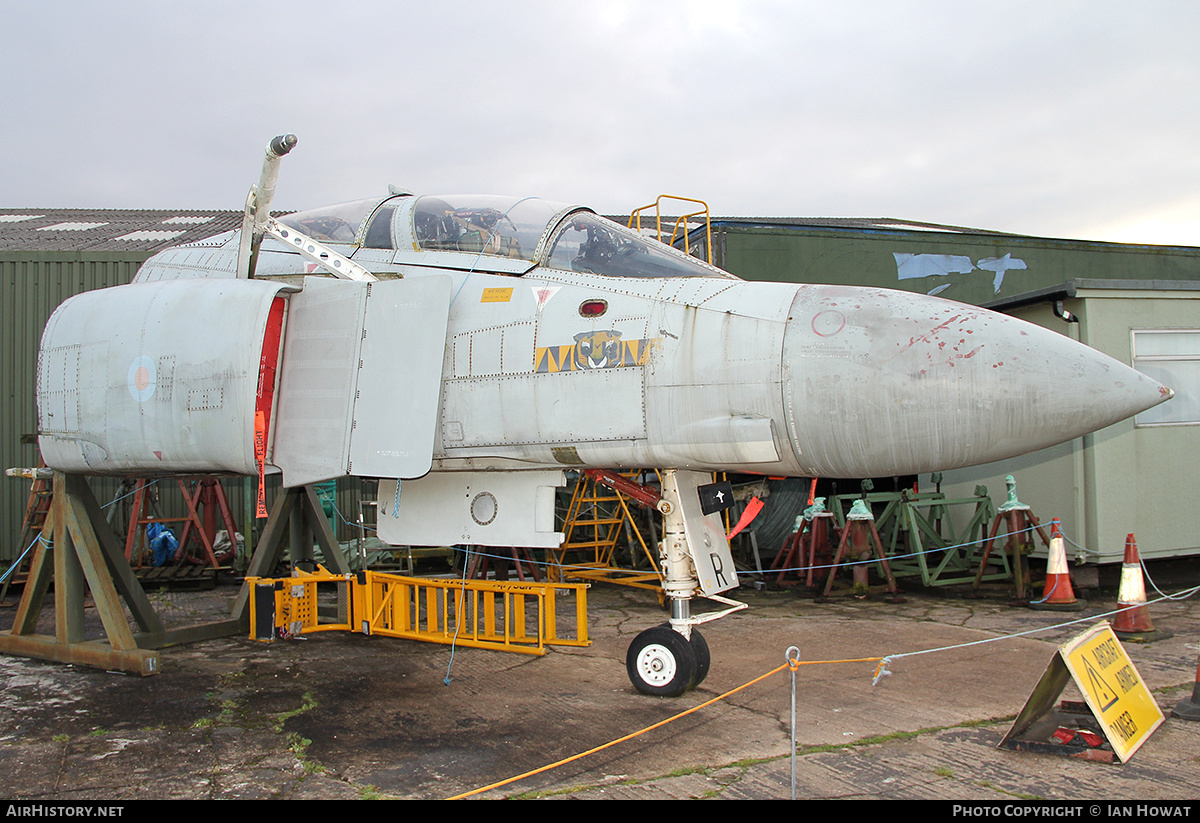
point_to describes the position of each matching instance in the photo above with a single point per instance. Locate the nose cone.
(881, 383)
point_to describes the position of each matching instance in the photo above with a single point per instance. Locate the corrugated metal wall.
(34, 283)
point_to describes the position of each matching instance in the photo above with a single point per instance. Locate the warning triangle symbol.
(542, 294)
(1105, 694)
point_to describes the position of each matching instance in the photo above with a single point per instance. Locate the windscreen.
(331, 224)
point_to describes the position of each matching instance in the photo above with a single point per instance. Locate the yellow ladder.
(485, 614)
(41, 492)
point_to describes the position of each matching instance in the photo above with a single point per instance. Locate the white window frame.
(1158, 366)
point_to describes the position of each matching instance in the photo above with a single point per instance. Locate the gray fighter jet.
(468, 350)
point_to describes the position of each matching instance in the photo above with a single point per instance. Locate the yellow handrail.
(680, 222)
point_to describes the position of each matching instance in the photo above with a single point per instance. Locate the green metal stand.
(920, 536)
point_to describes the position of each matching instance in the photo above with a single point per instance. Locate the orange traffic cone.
(1189, 707)
(1058, 594)
(1133, 620)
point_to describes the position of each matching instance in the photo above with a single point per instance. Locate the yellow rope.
(661, 723)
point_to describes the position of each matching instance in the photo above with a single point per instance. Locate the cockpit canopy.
(538, 231)
(487, 224)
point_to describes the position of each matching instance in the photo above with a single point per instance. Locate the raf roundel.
(142, 379)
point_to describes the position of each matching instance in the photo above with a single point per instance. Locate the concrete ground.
(343, 716)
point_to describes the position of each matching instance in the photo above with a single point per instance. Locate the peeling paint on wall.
(914, 266)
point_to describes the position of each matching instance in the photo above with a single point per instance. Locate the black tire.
(700, 650)
(661, 662)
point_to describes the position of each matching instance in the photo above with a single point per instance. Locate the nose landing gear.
(668, 660)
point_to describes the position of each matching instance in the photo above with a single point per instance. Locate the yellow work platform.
(502, 616)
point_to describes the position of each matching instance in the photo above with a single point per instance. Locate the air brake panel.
(154, 377)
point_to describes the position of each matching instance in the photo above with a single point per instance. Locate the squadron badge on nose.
(604, 349)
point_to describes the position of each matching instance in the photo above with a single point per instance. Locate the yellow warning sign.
(496, 295)
(1112, 688)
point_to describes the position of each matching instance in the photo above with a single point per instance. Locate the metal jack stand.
(36, 511)
(206, 498)
(808, 547)
(141, 515)
(860, 529)
(1021, 522)
(821, 529)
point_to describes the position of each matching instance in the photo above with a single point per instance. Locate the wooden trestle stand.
(79, 557)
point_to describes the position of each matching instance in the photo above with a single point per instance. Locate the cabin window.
(379, 230)
(1172, 357)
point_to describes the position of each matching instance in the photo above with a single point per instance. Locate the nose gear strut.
(670, 659)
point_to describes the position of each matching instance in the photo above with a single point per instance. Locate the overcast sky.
(1054, 118)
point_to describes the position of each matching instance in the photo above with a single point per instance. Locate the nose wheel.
(664, 663)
